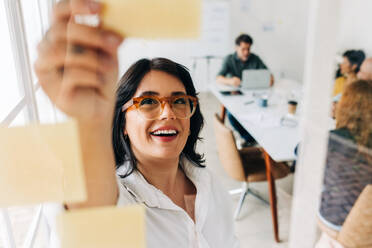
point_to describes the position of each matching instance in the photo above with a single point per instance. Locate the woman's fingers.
(85, 7)
(83, 48)
(77, 64)
(63, 10)
(56, 55)
(50, 82)
(74, 77)
(65, 28)
(93, 37)
(84, 35)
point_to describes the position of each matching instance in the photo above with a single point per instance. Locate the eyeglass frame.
(135, 101)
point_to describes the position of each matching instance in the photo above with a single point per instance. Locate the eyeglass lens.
(182, 107)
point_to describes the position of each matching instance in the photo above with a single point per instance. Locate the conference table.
(275, 130)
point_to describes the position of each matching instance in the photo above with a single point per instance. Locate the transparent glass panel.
(21, 119)
(21, 220)
(47, 112)
(33, 21)
(10, 94)
(346, 192)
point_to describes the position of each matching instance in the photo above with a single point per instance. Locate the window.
(22, 24)
(10, 93)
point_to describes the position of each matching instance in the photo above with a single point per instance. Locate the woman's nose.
(167, 112)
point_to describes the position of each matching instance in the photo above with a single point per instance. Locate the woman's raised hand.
(77, 64)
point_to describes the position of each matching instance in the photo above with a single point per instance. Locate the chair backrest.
(348, 170)
(227, 150)
(357, 228)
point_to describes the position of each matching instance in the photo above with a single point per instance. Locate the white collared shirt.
(168, 225)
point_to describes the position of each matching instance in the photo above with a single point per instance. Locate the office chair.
(347, 192)
(246, 165)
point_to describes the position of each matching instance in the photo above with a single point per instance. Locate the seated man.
(231, 74)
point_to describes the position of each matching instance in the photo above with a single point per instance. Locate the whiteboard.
(215, 35)
(214, 39)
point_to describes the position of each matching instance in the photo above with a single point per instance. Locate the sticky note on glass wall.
(41, 163)
(153, 18)
(108, 227)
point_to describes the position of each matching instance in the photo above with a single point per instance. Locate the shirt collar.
(236, 56)
(146, 193)
(238, 59)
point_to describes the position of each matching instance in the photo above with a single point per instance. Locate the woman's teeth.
(164, 133)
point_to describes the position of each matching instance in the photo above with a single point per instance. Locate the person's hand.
(271, 80)
(77, 65)
(235, 81)
(333, 110)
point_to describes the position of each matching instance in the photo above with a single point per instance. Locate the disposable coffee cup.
(292, 106)
(262, 102)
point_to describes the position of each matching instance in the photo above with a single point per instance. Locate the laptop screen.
(256, 79)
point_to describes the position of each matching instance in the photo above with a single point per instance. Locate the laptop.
(256, 79)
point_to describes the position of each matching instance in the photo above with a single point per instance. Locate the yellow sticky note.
(41, 163)
(107, 227)
(153, 18)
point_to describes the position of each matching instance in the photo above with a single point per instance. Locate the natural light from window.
(9, 90)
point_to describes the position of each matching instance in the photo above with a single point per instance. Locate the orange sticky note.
(41, 163)
(153, 18)
(108, 227)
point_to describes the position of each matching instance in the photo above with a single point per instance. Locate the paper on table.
(41, 163)
(263, 120)
(153, 18)
(108, 227)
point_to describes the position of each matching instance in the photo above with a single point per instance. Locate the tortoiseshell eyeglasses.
(151, 107)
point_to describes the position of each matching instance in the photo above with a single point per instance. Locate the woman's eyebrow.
(154, 93)
(177, 93)
(149, 93)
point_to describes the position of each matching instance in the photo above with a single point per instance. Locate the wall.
(336, 25)
(355, 26)
(279, 32)
(214, 40)
(278, 28)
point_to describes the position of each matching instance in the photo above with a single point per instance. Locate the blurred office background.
(288, 36)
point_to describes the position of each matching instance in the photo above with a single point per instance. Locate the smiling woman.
(156, 126)
(169, 78)
(148, 132)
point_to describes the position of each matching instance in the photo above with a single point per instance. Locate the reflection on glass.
(9, 91)
(348, 169)
(32, 19)
(21, 119)
(47, 114)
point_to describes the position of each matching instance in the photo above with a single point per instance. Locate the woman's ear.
(354, 67)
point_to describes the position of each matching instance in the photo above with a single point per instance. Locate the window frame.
(23, 67)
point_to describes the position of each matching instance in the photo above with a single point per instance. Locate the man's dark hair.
(127, 87)
(356, 57)
(243, 38)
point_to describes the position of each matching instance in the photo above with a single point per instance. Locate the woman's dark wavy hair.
(355, 57)
(127, 87)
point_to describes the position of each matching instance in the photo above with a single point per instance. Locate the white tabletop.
(264, 124)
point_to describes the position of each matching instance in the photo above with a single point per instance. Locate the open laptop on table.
(256, 79)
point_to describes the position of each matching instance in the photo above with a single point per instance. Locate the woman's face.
(346, 66)
(146, 142)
